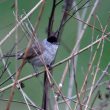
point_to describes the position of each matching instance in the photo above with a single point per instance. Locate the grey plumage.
(41, 54)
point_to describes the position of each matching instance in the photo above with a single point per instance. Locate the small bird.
(41, 53)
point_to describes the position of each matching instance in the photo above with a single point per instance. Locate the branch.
(39, 16)
(23, 60)
(80, 25)
(28, 14)
(51, 19)
(67, 8)
(94, 78)
(21, 102)
(58, 63)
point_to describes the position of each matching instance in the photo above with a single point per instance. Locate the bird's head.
(52, 39)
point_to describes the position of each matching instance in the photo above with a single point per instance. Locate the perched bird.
(41, 53)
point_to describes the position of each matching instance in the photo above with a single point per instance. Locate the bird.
(41, 52)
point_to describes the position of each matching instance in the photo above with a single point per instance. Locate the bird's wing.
(36, 50)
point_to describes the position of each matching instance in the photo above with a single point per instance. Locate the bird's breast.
(46, 57)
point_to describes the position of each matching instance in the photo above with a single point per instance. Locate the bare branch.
(58, 63)
(31, 11)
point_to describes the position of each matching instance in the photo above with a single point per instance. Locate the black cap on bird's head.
(52, 38)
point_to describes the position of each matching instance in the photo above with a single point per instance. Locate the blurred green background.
(34, 86)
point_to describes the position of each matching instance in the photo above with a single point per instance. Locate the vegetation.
(78, 78)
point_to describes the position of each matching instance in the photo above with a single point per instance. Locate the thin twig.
(19, 70)
(76, 87)
(51, 19)
(93, 83)
(105, 72)
(16, 33)
(57, 64)
(75, 96)
(22, 92)
(71, 81)
(93, 102)
(28, 14)
(81, 34)
(39, 16)
(21, 102)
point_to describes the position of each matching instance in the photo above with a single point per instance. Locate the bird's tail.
(18, 55)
